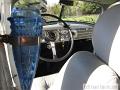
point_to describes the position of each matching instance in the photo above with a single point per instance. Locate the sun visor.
(100, 1)
(67, 2)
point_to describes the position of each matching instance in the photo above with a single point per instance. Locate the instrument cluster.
(61, 35)
(56, 35)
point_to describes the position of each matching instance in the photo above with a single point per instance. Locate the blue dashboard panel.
(26, 22)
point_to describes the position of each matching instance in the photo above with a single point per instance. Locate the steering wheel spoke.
(53, 50)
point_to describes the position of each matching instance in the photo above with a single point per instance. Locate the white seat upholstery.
(43, 83)
(84, 68)
(98, 71)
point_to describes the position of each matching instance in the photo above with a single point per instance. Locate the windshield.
(80, 11)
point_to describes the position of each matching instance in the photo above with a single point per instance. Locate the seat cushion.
(43, 83)
(103, 78)
(84, 68)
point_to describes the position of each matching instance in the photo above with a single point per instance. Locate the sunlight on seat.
(115, 53)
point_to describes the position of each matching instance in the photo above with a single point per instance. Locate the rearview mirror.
(67, 2)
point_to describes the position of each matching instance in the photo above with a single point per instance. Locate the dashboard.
(57, 33)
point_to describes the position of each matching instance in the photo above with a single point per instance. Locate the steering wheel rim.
(71, 39)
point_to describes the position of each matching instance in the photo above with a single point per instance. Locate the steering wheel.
(53, 43)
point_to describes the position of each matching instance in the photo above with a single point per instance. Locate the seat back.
(106, 38)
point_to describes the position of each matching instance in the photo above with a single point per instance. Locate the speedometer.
(51, 35)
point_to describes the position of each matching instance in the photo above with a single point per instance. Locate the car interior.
(93, 63)
(78, 55)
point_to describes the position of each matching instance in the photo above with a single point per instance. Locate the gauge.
(64, 31)
(51, 35)
(64, 35)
